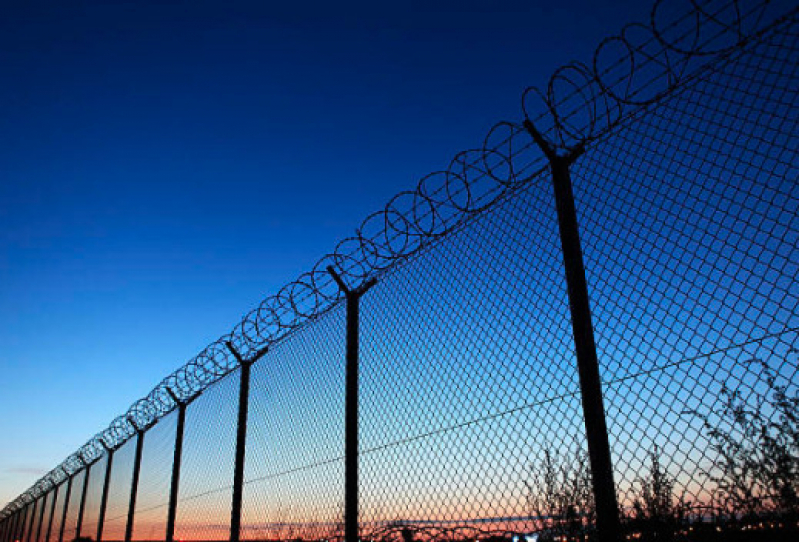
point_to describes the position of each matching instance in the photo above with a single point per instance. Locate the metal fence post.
(106, 484)
(52, 513)
(176, 460)
(134, 486)
(607, 509)
(241, 439)
(82, 505)
(351, 500)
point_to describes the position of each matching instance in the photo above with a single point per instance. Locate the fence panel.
(152, 497)
(73, 507)
(37, 519)
(468, 377)
(206, 477)
(94, 492)
(41, 528)
(27, 524)
(295, 469)
(116, 512)
(58, 512)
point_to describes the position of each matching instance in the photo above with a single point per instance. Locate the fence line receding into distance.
(585, 329)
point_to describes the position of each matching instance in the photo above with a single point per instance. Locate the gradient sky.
(166, 165)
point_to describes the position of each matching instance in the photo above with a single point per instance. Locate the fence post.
(134, 485)
(41, 518)
(106, 484)
(82, 505)
(52, 513)
(607, 509)
(176, 460)
(241, 439)
(351, 500)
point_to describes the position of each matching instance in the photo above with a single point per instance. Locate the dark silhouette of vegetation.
(754, 477)
(560, 497)
(657, 514)
(756, 442)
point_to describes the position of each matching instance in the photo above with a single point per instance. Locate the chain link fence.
(428, 380)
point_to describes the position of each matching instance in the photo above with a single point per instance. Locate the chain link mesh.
(295, 449)
(116, 510)
(73, 506)
(152, 495)
(689, 221)
(91, 511)
(207, 466)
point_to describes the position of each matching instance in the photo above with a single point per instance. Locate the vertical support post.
(241, 439)
(176, 460)
(604, 487)
(106, 484)
(52, 513)
(351, 498)
(134, 486)
(82, 505)
(41, 518)
(66, 509)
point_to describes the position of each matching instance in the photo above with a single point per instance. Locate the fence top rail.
(580, 103)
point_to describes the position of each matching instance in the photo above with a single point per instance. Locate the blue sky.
(167, 165)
